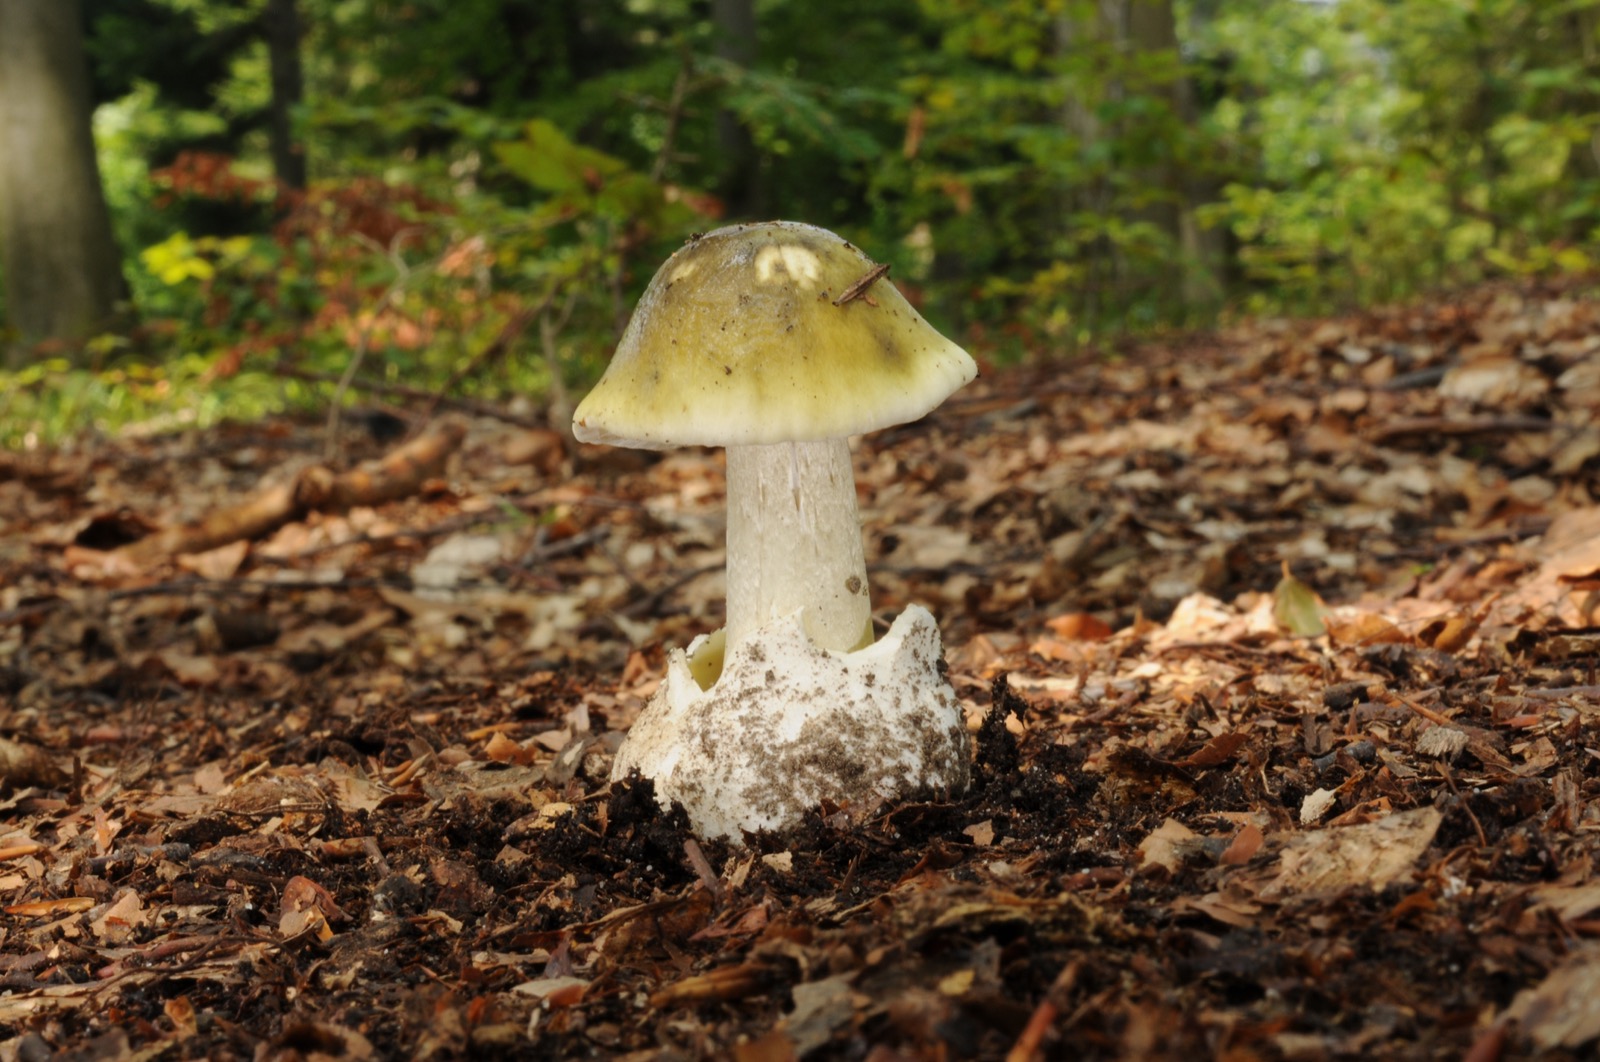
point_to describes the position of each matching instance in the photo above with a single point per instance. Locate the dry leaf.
(1296, 606)
(1246, 843)
(1316, 804)
(1169, 846)
(1369, 856)
(217, 564)
(1562, 1010)
(1364, 628)
(27, 765)
(1082, 626)
(1218, 750)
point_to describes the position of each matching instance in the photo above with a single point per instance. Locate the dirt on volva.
(1277, 648)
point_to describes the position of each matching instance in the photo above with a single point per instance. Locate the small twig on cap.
(859, 288)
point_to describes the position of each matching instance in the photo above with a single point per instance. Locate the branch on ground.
(316, 488)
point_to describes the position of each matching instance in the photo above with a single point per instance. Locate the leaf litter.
(1277, 646)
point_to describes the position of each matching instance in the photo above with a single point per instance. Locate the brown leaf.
(1080, 626)
(1246, 843)
(1218, 750)
(1169, 846)
(1560, 1011)
(502, 749)
(1365, 628)
(220, 563)
(28, 765)
(1368, 856)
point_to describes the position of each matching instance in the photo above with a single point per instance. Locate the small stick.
(176, 852)
(21, 848)
(1029, 1045)
(702, 867)
(1444, 772)
(1427, 713)
(859, 288)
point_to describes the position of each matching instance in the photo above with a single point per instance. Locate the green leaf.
(1296, 606)
(548, 160)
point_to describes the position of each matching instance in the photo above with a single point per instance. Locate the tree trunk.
(282, 24)
(62, 272)
(735, 22)
(1152, 27)
(1170, 192)
(1082, 27)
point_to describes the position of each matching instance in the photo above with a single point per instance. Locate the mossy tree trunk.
(62, 273)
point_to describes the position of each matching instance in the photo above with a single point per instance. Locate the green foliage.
(1038, 172)
(1383, 148)
(51, 399)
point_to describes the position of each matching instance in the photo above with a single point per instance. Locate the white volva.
(788, 725)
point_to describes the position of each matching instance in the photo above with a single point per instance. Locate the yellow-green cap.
(742, 339)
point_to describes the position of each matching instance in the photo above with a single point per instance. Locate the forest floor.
(1277, 646)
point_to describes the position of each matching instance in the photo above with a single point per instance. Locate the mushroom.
(778, 341)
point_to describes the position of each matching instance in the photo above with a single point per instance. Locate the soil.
(1277, 648)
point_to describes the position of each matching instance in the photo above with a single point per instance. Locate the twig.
(1449, 780)
(202, 586)
(859, 288)
(674, 110)
(363, 339)
(496, 348)
(656, 596)
(416, 394)
(1488, 425)
(558, 410)
(542, 551)
(1427, 713)
(398, 474)
(1031, 1042)
(369, 845)
(176, 852)
(702, 867)
(201, 948)
(22, 848)
(1556, 693)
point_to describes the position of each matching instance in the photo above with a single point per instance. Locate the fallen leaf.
(564, 991)
(27, 765)
(501, 749)
(1296, 606)
(1169, 846)
(1082, 626)
(823, 1007)
(1246, 843)
(120, 921)
(1364, 628)
(1368, 856)
(1218, 750)
(1316, 804)
(1562, 1010)
(217, 564)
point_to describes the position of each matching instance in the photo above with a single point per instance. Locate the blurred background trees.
(466, 195)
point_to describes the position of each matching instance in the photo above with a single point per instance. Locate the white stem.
(794, 541)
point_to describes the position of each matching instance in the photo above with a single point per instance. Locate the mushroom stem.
(794, 542)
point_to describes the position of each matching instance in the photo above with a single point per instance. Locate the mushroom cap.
(738, 341)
